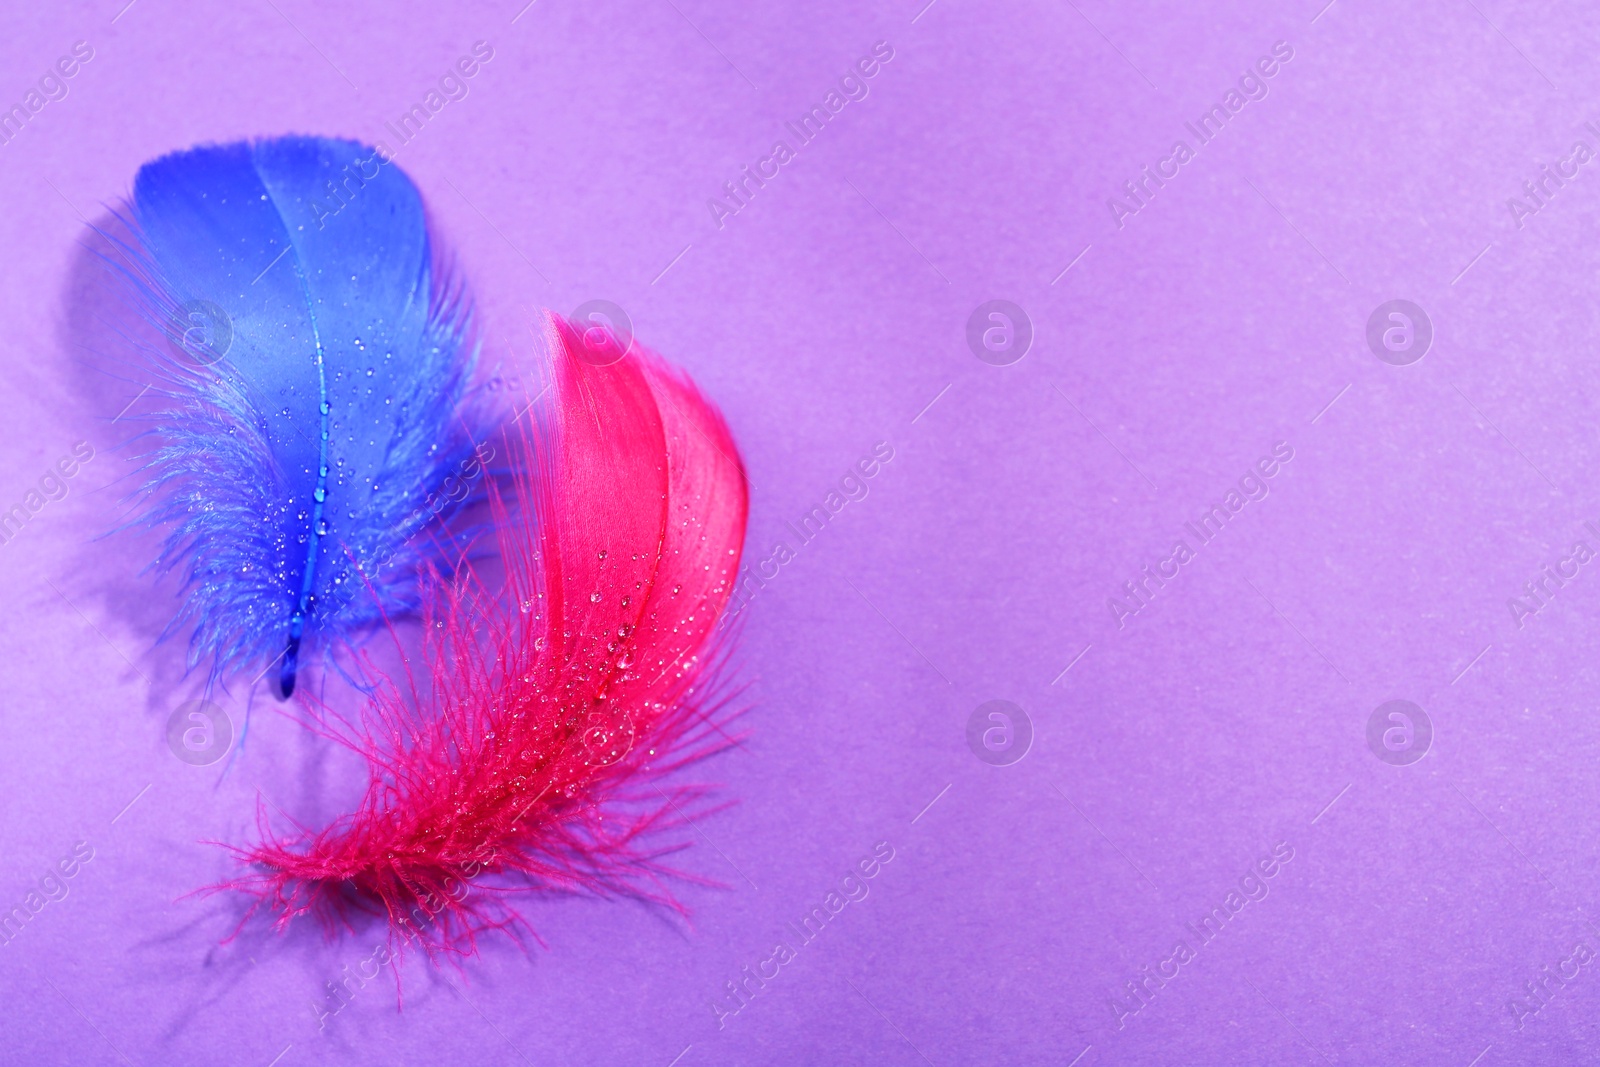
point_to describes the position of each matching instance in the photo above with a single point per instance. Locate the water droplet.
(594, 598)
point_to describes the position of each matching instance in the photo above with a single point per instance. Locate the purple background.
(1227, 717)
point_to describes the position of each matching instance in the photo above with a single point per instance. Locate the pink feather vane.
(528, 760)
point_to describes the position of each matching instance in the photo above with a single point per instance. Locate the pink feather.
(528, 760)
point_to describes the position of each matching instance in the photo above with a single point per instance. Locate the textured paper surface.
(1221, 726)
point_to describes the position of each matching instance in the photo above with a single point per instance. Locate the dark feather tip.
(291, 664)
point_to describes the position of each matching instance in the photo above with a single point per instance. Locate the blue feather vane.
(311, 396)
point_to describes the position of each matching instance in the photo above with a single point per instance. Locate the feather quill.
(550, 703)
(310, 400)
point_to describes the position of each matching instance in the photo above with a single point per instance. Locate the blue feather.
(313, 390)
